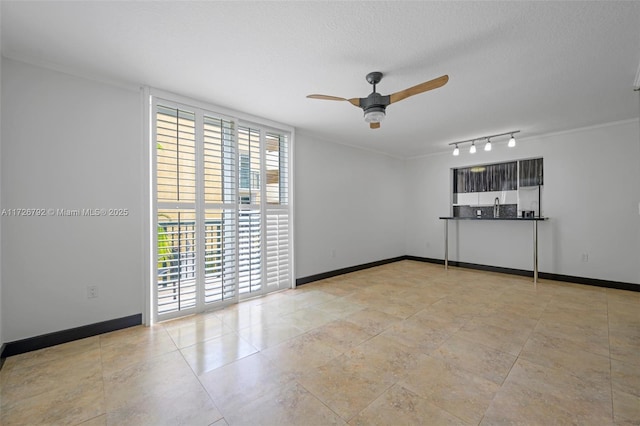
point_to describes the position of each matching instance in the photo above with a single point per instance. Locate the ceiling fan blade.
(353, 101)
(374, 125)
(422, 87)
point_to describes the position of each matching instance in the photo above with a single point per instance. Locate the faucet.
(496, 207)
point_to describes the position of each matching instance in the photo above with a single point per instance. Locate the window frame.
(152, 96)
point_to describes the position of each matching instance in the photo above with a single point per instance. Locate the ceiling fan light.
(487, 146)
(512, 142)
(374, 115)
(456, 151)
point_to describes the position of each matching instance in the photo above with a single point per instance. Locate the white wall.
(68, 143)
(348, 202)
(1, 314)
(590, 195)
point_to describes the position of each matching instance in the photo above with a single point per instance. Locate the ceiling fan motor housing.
(375, 102)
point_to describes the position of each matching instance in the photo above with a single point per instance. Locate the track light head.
(487, 147)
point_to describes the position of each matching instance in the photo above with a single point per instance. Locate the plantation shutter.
(277, 262)
(219, 176)
(250, 216)
(222, 209)
(176, 194)
(278, 256)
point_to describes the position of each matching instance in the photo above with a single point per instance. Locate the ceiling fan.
(375, 105)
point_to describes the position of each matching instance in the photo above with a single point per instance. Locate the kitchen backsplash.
(506, 210)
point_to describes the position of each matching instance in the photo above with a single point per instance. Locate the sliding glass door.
(221, 206)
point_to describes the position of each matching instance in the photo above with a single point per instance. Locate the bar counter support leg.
(446, 244)
(535, 252)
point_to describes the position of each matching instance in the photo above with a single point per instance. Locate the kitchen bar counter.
(533, 220)
(494, 218)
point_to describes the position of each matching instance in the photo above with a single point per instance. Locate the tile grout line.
(613, 414)
(197, 377)
(319, 400)
(517, 358)
(104, 392)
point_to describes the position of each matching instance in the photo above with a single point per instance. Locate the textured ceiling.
(535, 66)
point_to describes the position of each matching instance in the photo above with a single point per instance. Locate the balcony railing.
(177, 260)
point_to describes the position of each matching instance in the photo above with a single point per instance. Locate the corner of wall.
(1, 334)
(332, 231)
(638, 153)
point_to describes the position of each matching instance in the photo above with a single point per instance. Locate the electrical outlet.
(92, 292)
(585, 257)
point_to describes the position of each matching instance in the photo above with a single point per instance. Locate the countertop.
(495, 218)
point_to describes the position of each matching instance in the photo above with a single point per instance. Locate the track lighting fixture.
(487, 146)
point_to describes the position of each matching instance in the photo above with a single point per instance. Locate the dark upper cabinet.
(531, 172)
(492, 177)
(498, 177)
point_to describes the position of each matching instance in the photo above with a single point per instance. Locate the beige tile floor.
(400, 344)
